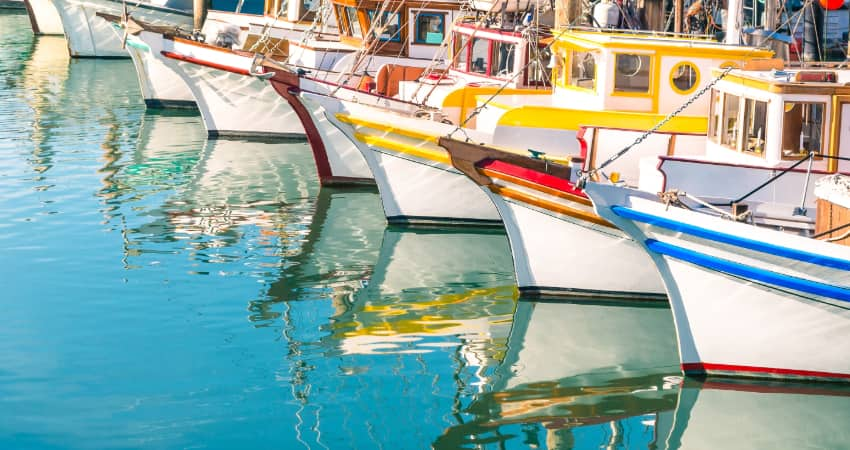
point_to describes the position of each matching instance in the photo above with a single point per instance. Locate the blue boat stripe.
(797, 255)
(751, 273)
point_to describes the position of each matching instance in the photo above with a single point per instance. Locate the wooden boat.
(401, 86)
(44, 18)
(747, 301)
(90, 36)
(419, 185)
(560, 246)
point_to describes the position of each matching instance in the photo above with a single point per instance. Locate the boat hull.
(747, 301)
(414, 175)
(161, 86)
(556, 254)
(44, 18)
(231, 101)
(90, 36)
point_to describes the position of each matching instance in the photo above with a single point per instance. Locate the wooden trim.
(532, 185)
(314, 138)
(549, 205)
(201, 62)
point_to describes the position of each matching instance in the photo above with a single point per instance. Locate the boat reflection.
(431, 288)
(44, 78)
(578, 375)
(748, 414)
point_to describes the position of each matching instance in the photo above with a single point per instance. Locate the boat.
(414, 174)
(410, 87)
(90, 36)
(560, 246)
(592, 375)
(747, 301)
(44, 18)
(162, 84)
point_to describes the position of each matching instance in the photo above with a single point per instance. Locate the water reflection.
(578, 375)
(760, 414)
(44, 78)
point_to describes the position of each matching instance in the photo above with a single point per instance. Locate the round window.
(684, 77)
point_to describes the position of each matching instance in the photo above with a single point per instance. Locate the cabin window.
(503, 59)
(353, 22)
(479, 61)
(802, 129)
(340, 17)
(429, 28)
(539, 72)
(714, 117)
(389, 25)
(461, 50)
(729, 136)
(755, 118)
(632, 73)
(684, 77)
(582, 70)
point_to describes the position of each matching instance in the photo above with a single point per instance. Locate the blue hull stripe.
(785, 252)
(750, 273)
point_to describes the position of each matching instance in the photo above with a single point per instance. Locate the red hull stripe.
(710, 367)
(534, 176)
(201, 62)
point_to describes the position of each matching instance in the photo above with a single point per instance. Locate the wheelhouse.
(495, 54)
(775, 118)
(396, 28)
(635, 72)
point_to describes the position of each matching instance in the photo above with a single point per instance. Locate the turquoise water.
(162, 290)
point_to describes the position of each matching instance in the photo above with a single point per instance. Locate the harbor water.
(164, 290)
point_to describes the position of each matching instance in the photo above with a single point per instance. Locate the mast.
(733, 22)
(199, 13)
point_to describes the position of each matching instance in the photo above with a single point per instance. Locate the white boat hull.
(747, 301)
(44, 18)
(555, 254)
(232, 102)
(161, 86)
(90, 36)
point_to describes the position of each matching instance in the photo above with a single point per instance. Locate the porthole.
(684, 77)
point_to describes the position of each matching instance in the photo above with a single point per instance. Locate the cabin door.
(840, 142)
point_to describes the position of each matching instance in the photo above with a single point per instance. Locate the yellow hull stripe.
(440, 156)
(356, 121)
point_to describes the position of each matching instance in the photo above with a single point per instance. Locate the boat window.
(714, 116)
(353, 22)
(503, 59)
(461, 51)
(582, 70)
(632, 73)
(340, 18)
(480, 51)
(755, 118)
(429, 28)
(684, 77)
(729, 136)
(388, 25)
(802, 129)
(539, 72)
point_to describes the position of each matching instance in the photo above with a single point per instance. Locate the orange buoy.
(831, 4)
